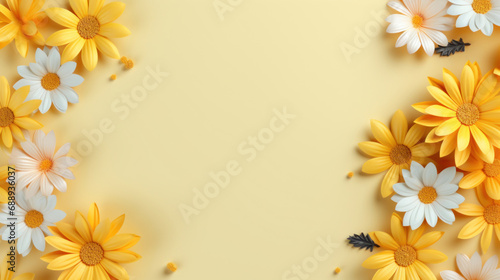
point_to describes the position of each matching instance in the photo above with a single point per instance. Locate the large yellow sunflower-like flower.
(20, 22)
(88, 30)
(6, 274)
(91, 249)
(406, 254)
(465, 115)
(14, 114)
(395, 149)
(482, 172)
(487, 219)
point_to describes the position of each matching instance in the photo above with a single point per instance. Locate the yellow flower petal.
(21, 44)
(472, 180)
(382, 133)
(493, 132)
(470, 209)
(114, 30)
(400, 273)
(440, 111)
(379, 260)
(397, 229)
(71, 233)
(428, 239)
(5, 14)
(421, 106)
(411, 273)
(414, 135)
(72, 50)
(52, 256)
(38, 39)
(448, 127)
(63, 244)
(423, 271)
(116, 225)
(449, 144)
(492, 186)
(481, 139)
(473, 228)
(483, 197)
(442, 97)
(121, 241)
(63, 37)
(374, 149)
(80, 7)
(430, 121)
(110, 12)
(452, 88)
(433, 138)
(377, 165)
(486, 238)
(390, 178)
(385, 273)
(463, 138)
(64, 262)
(25, 276)
(83, 227)
(18, 97)
(424, 150)
(27, 108)
(415, 235)
(101, 232)
(386, 241)
(9, 31)
(95, 6)
(125, 256)
(467, 84)
(461, 157)
(94, 217)
(114, 269)
(89, 55)
(27, 123)
(63, 17)
(399, 126)
(106, 47)
(486, 89)
(4, 92)
(7, 137)
(431, 256)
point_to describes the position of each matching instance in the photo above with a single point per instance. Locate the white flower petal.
(72, 80)
(55, 216)
(398, 6)
(54, 61)
(38, 239)
(66, 69)
(456, 10)
(413, 42)
(407, 204)
(417, 217)
(26, 73)
(417, 170)
(430, 175)
(59, 100)
(451, 275)
(430, 215)
(489, 267)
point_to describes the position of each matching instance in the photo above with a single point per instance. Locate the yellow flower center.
(33, 219)
(427, 195)
(481, 6)
(417, 21)
(405, 256)
(492, 214)
(6, 117)
(400, 154)
(91, 254)
(51, 81)
(468, 114)
(493, 169)
(88, 27)
(45, 165)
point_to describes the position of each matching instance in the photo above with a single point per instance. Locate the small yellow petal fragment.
(129, 65)
(124, 60)
(172, 266)
(350, 175)
(113, 77)
(337, 270)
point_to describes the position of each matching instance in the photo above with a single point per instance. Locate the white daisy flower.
(50, 81)
(421, 22)
(473, 269)
(39, 166)
(425, 195)
(477, 14)
(33, 217)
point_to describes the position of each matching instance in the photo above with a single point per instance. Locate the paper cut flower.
(6, 274)
(464, 114)
(34, 216)
(473, 269)
(427, 195)
(487, 219)
(395, 149)
(91, 248)
(482, 172)
(477, 14)
(406, 253)
(14, 113)
(20, 23)
(88, 29)
(50, 81)
(40, 167)
(421, 22)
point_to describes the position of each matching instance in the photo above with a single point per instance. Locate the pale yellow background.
(226, 78)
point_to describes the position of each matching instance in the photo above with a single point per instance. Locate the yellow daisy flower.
(487, 219)
(482, 172)
(14, 114)
(406, 254)
(395, 149)
(88, 30)
(6, 274)
(465, 115)
(4, 185)
(91, 249)
(20, 22)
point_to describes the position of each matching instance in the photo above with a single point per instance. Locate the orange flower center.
(481, 6)
(427, 195)
(492, 214)
(493, 169)
(33, 219)
(88, 27)
(400, 154)
(91, 254)
(6, 117)
(417, 21)
(405, 256)
(46, 165)
(468, 114)
(51, 81)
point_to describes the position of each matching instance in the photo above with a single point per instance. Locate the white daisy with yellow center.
(50, 81)
(477, 14)
(33, 217)
(427, 195)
